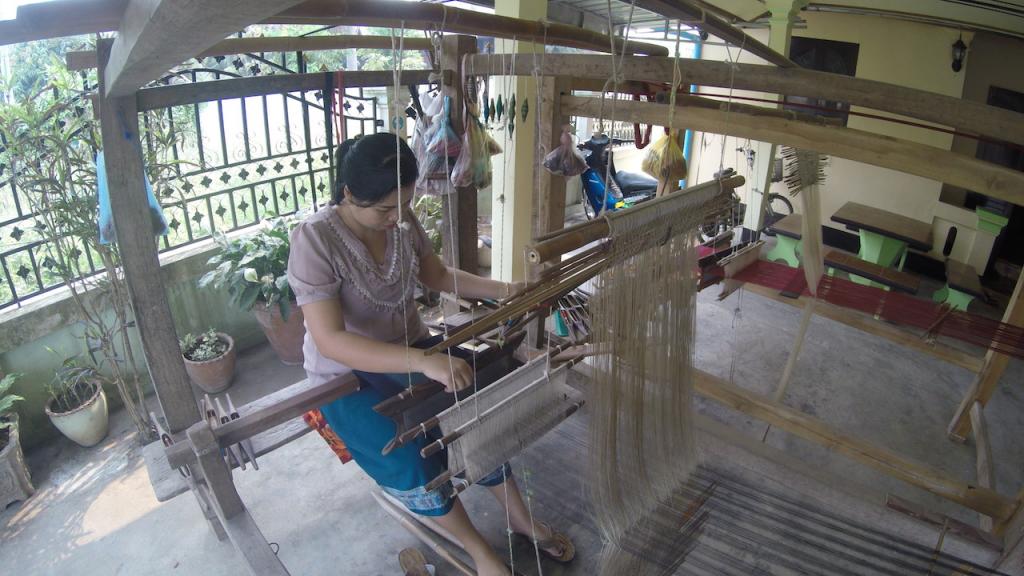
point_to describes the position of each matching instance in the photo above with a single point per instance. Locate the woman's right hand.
(454, 376)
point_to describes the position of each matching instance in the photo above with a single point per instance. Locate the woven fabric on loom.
(501, 420)
(898, 307)
(640, 401)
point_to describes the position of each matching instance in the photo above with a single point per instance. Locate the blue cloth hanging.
(106, 221)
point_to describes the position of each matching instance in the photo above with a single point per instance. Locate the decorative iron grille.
(239, 161)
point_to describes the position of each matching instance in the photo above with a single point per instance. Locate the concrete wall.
(50, 322)
(899, 52)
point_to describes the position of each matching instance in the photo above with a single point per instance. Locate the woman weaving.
(352, 268)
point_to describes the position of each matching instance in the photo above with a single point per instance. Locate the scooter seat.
(633, 183)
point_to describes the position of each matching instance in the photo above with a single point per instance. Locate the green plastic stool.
(956, 299)
(786, 249)
(880, 250)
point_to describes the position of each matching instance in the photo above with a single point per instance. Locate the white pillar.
(512, 187)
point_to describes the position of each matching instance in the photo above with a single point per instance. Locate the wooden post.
(548, 189)
(225, 501)
(138, 249)
(992, 370)
(461, 204)
(986, 471)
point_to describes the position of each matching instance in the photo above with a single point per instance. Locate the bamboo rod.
(420, 532)
(429, 16)
(577, 237)
(522, 305)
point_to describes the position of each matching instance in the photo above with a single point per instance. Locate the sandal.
(557, 541)
(413, 562)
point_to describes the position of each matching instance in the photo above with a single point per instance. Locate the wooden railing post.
(458, 237)
(138, 250)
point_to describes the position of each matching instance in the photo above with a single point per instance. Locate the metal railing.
(236, 162)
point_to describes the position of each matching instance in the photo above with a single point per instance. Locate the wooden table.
(884, 236)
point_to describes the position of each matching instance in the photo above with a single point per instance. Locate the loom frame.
(157, 34)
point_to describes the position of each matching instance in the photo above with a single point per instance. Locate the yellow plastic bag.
(665, 161)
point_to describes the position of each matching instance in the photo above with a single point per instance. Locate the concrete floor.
(94, 511)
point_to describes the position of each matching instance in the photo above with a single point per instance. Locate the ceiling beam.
(695, 15)
(964, 115)
(156, 35)
(424, 16)
(61, 18)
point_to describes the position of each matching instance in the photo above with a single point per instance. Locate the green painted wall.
(26, 333)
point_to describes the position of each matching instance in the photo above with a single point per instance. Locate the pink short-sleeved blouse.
(327, 260)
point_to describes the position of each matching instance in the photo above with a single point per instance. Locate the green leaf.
(248, 297)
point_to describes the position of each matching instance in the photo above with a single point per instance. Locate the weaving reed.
(642, 446)
(501, 420)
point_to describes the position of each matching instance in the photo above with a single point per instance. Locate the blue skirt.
(402, 473)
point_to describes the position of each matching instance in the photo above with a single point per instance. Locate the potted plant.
(209, 360)
(254, 271)
(78, 404)
(15, 483)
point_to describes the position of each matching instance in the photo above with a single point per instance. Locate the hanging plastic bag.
(443, 139)
(665, 161)
(565, 160)
(473, 167)
(106, 220)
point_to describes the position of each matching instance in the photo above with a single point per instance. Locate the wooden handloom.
(163, 35)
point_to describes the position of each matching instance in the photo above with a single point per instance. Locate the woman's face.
(384, 214)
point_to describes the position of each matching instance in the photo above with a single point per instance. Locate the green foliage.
(73, 384)
(7, 400)
(254, 268)
(204, 347)
(430, 213)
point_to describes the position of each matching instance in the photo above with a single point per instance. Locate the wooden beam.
(191, 93)
(156, 35)
(138, 249)
(459, 235)
(85, 59)
(965, 531)
(977, 498)
(986, 472)
(910, 157)
(549, 203)
(267, 416)
(712, 24)
(964, 115)
(430, 16)
(984, 386)
(236, 521)
(867, 324)
(61, 18)
(1012, 531)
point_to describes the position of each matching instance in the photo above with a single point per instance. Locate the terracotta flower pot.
(285, 336)
(214, 375)
(15, 482)
(85, 425)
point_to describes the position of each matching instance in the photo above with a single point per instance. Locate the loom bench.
(884, 236)
(887, 277)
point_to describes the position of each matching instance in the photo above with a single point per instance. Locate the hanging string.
(405, 279)
(615, 79)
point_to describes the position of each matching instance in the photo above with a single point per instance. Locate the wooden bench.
(788, 233)
(889, 277)
(962, 285)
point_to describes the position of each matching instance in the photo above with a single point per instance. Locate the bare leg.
(518, 513)
(484, 558)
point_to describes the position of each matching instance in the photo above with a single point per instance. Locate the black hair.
(368, 164)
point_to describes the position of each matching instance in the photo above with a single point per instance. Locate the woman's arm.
(325, 321)
(440, 278)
